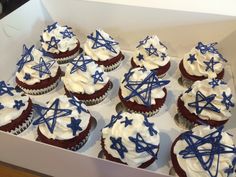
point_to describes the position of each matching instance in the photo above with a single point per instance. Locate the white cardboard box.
(178, 29)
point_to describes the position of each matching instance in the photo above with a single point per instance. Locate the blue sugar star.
(191, 58)
(67, 34)
(53, 43)
(51, 27)
(27, 76)
(1, 106)
(149, 125)
(80, 63)
(74, 125)
(227, 100)
(43, 67)
(214, 83)
(97, 76)
(143, 41)
(118, 146)
(4, 88)
(200, 99)
(140, 57)
(114, 118)
(74, 101)
(127, 121)
(163, 56)
(48, 115)
(152, 50)
(210, 64)
(25, 57)
(18, 104)
(100, 41)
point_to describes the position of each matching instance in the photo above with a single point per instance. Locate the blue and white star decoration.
(5, 89)
(227, 100)
(100, 41)
(140, 57)
(151, 50)
(210, 64)
(67, 33)
(79, 105)
(43, 67)
(27, 76)
(215, 82)
(114, 118)
(74, 125)
(53, 43)
(51, 27)
(25, 57)
(127, 122)
(144, 41)
(210, 156)
(149, 125)
(191, 58)
(97, 76)
(118, 146)
(80, 63)
(18, 104)
(143, 88)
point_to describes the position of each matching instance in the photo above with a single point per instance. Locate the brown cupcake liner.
(112, 67)
(80, 145)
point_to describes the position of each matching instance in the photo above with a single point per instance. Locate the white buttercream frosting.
(8, 106)
(65, 44)
(206, 88)
(198, 67)
(119, 130)
(192, 166)
(83, 80)
(141, 55)
(61, 130)
(97, 51)
(137, 75)
(34, 75)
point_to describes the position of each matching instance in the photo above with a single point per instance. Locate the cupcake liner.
(69, 58)
(185, 82)
(149, 113)
(182, 122)
(78, 146)
(40, 91)
(23, 126)
(112, 67)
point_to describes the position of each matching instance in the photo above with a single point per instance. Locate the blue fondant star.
(67, 34)
(74, 101)
(43, 67)
(143, 88)
(25, 57)
(152, 50)
(97, 76)
(51, 27)
(53, 43)
(143, 146)
(163, 56)
(80, 63)
(1, 106)
(208, 156)
(214, 83)
(191, 58)
(4, 88)
(100, 41)
(149, 125)
(18, 104)
(227, 100)
(127, 121)
(27, 76)
(118, 146)
(143, 41)
(74, 125)
(210, 64)
(114, 118)
(200, 100)
(48, 115)
(140, 57)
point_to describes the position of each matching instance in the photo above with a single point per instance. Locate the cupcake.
(152, 54)
(63, 122)
(37, 74)
(204, 151)
(15, 109)
(203, 61)
(86, 80)
(206, 102)
(60, 43)
(131, 139)
(142, 91)
(104, 50)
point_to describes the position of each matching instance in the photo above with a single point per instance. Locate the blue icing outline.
(227, 100)
(127, 121)
(210, 64)
(152, 50)
(18, 104)
(53, 43)
(51, 27)
(163, 56)
(214, 83)
(74, 125)
(144, 41)
(74, 101)
(25, 57)
(149, 125)
(67, 34)
(5, 88)
(43, 67)
(84, 62)
(118, 146)
(97, 76)
(114, 118)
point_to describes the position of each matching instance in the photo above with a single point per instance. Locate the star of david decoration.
(214, 83)
(149, 125)
(143, 146)
(227, 100)
(25, 57)
(51, 27)
(210, 64)
(100, 41)
(140, 57)
(191, 58)
(4, 88)
(163, 56)
(143, 88)
(1, 106)
(67, 34)
(210, 154)
(127, 121)
(74, 101)
(74, 125)
(163, 44)
(27, 76)
(114, 118)
(152, 51)
(53, 43)
(118, 146)
(49, 115)
(43, 67)
(143, 41)
(204, 103)
(18, 104)
(80, 63)
(97, 76)
(188, 90)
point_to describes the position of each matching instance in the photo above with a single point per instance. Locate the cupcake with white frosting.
(131, 139)
(64, 122)
(152, 54)
(142, 91)
(60, 43)
(202, 62)
(36, 73)
(15, 109)
(204, 152)
(86, 80)
(207, 102)
(103, 49)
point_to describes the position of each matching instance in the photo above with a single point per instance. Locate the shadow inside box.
(170, 100)
(174, 68)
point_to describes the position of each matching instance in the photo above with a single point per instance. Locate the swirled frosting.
(128, 132)
(151, 53)
(209, 99)
(12, 103)
(83, 75)
(142, 86)
(208, 144)
(100, 46)
(78, 118)
(56, 39)
(204, 60)
(34, 67)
